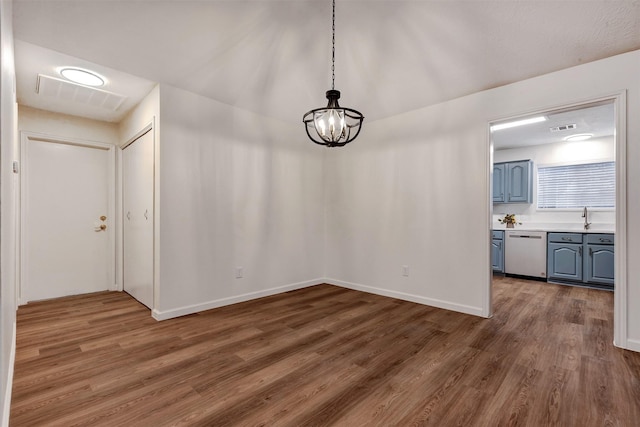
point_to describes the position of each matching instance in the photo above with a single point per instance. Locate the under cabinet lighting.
(517, 123)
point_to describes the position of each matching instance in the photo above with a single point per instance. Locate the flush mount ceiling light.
(517, 123)
(333, 126)
(578, 137)
(83, 77)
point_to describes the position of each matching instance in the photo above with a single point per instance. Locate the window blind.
(575, 186)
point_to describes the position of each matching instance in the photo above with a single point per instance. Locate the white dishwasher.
(525, 253)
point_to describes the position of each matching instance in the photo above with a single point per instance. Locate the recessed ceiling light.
(578, 137)
(516, 123)
(82, 77)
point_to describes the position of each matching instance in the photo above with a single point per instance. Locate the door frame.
(25, 138)
(620, 309)
(119, 252)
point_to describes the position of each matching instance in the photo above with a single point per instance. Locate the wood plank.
(325, 355)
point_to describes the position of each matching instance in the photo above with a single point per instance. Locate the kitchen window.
(575, 186)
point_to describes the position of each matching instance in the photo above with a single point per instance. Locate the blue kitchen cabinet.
(599, 265)
(519, 182)
(586, 258)
(513, 182)
(497, 251)
(564, 256)
(499, 181)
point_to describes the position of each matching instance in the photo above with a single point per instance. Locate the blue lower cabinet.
(587, 258)
(497, 251)
(564, 261)
(599, 266)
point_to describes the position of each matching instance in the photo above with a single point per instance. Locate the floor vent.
(563, 127)
(69, 91)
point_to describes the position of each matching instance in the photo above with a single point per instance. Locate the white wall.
(559, 153)
(63, 125)
(139, 117)
(414, 190)
(236, 190)
(8, 204)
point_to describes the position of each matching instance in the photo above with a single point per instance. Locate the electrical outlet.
(239, 272)
(405, 270)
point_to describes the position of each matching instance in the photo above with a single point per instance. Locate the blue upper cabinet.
(519, 182)
(499, 181)
(513, 182)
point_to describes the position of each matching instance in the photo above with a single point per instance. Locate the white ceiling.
(273, 57)
(597, 119)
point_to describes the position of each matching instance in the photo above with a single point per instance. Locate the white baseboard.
(633, 345)
(6, 405)
(190, 309)
(466, 309)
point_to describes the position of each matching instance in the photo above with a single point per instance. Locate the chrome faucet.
(585, 214)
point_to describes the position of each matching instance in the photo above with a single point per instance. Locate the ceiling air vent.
(73, 92)
(563, 127)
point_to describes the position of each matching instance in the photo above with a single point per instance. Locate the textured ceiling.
(273, 57)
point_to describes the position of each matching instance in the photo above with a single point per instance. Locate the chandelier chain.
(333, 46)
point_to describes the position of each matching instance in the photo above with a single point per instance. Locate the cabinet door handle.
(580, 250)
(500, 245)
(590, 252)
(605, 240)
(567, 239)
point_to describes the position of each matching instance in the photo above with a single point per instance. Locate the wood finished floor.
(327, 356)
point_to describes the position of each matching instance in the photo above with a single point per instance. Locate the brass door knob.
(103, 227)
(103, 218)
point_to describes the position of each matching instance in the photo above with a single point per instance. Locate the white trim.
(195, 308)
(119, 249)
(6, 405)
(156, 211)
(620, 306)
(487, 306)
(25, 137)
(447, 305)
(632, 344)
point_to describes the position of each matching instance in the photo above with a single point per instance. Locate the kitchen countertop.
(559, 228)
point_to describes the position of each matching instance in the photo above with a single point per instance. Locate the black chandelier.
(333, 126)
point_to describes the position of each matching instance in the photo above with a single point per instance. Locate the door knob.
(103, 218)
(103, 227)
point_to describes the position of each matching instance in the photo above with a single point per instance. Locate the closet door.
(137, 171)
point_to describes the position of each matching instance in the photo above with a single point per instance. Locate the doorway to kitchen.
(559, 177)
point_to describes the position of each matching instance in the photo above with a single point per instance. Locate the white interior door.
(66, 190)
(137, 174)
